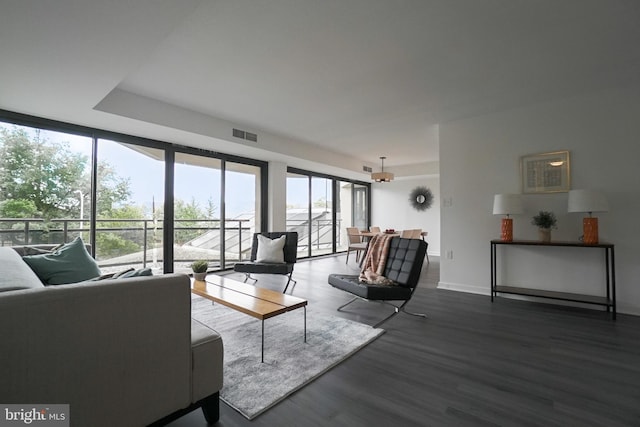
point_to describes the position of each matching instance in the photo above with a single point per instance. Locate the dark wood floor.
(471, 363)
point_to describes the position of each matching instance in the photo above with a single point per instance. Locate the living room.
(552, 76)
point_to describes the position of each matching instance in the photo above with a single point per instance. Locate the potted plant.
(199, 268)
(545, 221)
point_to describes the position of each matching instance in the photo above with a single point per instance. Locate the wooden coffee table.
(256, 302)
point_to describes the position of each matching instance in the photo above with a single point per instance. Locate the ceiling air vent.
(367, 169)
(245, 135)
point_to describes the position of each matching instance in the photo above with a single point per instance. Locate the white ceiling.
(356, 79)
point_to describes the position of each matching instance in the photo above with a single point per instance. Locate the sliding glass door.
(321, 227)
(242, 191)
(129, 207)
(320, 208)
(197, 209)
(360, 212)
(298, 210)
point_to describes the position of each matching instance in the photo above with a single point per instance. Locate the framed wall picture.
(546, 172)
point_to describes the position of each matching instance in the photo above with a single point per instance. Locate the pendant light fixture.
(382, 176)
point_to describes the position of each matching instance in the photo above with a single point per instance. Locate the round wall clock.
(421, 198)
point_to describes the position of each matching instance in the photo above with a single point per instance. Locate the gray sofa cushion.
(207, 355)
(15, 273)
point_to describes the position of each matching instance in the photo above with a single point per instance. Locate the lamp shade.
(507, 204)
(587, 201)
(382, 176)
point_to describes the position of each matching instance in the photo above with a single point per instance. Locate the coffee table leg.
(305, 323)
(262, 361)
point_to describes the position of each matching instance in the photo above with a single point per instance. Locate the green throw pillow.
(70, 263)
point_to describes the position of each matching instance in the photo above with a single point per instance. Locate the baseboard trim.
(471, 289)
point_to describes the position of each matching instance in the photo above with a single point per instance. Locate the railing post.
(26, 232)
(239, 240)
(144, 245)
(65, 229)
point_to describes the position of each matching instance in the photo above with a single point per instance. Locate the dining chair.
(421, 235)
(355, 243)
(374, 229)
(406, 234)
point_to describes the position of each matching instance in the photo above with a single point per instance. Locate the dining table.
(370, 234)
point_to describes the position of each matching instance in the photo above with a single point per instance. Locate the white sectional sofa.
(120, 352)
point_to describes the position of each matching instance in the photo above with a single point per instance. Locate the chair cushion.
(69, 264)
(270, 250)
(263, 267)
(351, 283)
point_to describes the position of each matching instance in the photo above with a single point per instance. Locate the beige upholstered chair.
(374, 229)
(413, 233)
(355, 243)
(407, 234)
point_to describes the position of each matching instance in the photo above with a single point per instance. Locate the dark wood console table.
(609, 301)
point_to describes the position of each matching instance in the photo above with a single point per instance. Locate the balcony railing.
(137, 242)
(321, 235)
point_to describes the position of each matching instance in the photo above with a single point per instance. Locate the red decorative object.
(590, 231)
(506, 233)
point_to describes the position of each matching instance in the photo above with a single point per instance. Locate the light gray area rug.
(251, 387)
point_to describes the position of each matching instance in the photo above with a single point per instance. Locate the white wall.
(277, 190)
(480, 157)
(391, 208)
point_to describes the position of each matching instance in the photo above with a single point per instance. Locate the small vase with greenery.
(199, 268)
(545, 221)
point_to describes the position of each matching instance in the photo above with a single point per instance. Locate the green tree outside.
(41, 178)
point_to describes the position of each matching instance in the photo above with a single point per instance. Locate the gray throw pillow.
(70, 263)
(136, 273)
(36, 249)
(129, 272)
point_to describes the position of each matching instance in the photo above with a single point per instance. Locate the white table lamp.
(507, 204)
(588, 201)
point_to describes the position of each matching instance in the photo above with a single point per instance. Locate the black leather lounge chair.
(403, 266)
(285, 268)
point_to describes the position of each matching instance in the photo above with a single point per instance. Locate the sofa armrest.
(207, 358)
